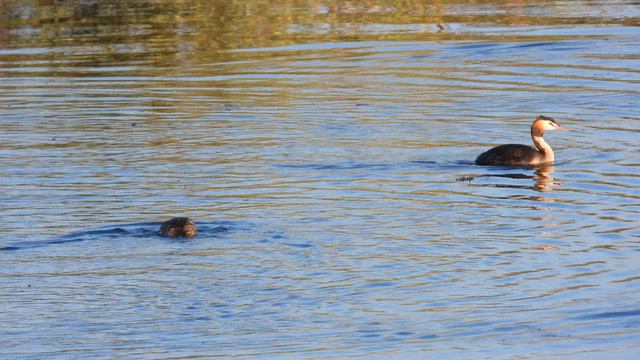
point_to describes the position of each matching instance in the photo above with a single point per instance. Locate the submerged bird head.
(542, 123)
(179, 227)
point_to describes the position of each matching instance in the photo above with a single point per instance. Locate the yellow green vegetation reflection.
(188, 26)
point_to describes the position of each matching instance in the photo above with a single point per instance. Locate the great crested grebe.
(178, 227)
(524, 155)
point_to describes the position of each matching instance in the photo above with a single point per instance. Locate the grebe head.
(544, 123)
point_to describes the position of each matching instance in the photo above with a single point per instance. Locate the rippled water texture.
(325, 149)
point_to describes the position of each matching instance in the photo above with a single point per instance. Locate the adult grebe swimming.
(523, 155)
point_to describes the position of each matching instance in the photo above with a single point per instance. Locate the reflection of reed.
(231, 24)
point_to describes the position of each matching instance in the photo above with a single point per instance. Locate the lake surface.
(325, 149)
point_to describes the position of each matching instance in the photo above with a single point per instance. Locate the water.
(325, 150)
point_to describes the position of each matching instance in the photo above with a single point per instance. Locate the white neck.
(543, 147)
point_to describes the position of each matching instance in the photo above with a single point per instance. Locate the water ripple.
(326, 152)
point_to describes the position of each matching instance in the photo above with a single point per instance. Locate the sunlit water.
(326, 153)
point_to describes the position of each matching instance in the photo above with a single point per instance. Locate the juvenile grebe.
(523, 155)
(178, 227)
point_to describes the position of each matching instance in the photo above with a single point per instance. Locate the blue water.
(325, 152)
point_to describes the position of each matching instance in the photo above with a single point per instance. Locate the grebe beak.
(558, 127)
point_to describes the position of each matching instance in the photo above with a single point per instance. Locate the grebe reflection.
(543, 180)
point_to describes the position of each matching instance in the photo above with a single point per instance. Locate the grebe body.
(178, 227)
(524, 155)
(512, 155)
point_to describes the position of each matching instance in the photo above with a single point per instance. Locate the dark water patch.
(481, 46)
(532, 45)
(403, 333)
(379, 284)
(552, 46)
(300, 245)
(139, 230)
(610, 315)
(336, 167)
(425, 162)
(444, 165)
(75, 238)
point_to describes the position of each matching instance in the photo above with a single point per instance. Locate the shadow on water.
(336, 167)
(610, 315)
(133, 230)
(345, 166)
